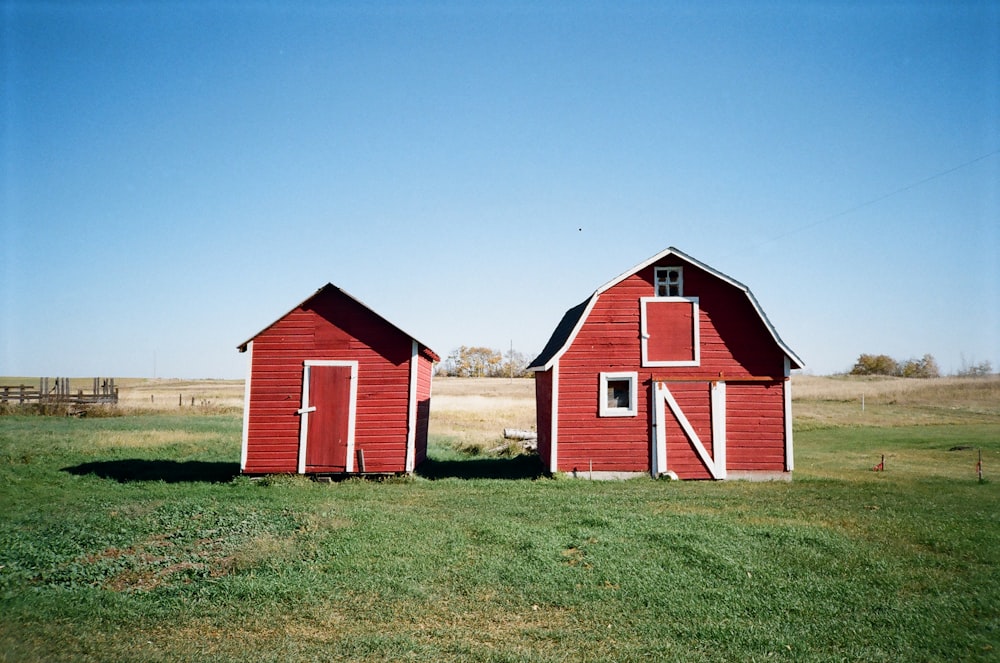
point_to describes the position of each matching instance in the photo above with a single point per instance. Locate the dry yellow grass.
(888, 401)
(472, 412)
(169, 395)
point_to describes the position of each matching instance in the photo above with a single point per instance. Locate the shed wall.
(332, 328)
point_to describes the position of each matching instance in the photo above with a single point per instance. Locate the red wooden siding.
(334, 326)
(543, 415)
(424, 371)
(755, 426)
(735, 344)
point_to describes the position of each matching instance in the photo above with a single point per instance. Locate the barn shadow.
(517, 467)
(168, 471)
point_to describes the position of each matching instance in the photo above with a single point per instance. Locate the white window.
(617, 397)
(669, 281)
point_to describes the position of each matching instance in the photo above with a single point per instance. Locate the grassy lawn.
(132, 538)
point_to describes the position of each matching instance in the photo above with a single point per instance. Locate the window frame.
(657, 280)
(605, 410)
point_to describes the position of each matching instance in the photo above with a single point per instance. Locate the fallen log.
(517, 434)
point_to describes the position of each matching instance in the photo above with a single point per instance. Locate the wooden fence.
(57, 391)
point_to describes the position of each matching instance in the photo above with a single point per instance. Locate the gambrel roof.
(573, 319)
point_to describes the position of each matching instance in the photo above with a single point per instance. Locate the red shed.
(334, 388)
(671, 369)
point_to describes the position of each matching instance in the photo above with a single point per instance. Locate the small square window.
(617, 397)
(669, 281)
(618, 393)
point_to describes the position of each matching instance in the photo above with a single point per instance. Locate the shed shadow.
(516, 467)
(168, 471)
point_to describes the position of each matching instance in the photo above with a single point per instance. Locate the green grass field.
(132, 539)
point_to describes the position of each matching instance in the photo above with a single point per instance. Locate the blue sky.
(174, 176)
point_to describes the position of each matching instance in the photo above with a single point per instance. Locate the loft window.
(669, 281)
(617, 397)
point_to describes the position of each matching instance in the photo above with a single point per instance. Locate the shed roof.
(330, 288)
(574, 318)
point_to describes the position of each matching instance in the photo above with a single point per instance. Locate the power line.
(879, 199)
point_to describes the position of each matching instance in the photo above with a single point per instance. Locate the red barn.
(334, 388)
(671, 369)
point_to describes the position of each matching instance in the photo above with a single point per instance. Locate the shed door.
(328, 397)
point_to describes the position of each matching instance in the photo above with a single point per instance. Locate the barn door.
(326, 441)
(689, 429)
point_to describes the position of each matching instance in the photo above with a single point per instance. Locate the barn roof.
(574, 318)
(328, 288)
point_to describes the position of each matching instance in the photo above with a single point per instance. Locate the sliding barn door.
(689, 429)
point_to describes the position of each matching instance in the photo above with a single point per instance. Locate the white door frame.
(307, 408)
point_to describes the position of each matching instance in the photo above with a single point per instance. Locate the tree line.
(483, 362)
(924, 367)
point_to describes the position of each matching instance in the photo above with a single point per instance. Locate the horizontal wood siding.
(331, 327)
(543, 415)
(734, 344)
(755, 429)
(608, 341)
(425, 369)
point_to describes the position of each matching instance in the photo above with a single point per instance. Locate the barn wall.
(755, 427)
(735, 344)
(543, 415)
(425, 369)
(326, 328)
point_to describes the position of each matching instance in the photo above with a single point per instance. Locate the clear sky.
(174, 176)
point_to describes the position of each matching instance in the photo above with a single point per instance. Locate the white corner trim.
(411, 409)
(554, 434)
(695, 331)
(306, 408)
(786, 386)
(245, 446)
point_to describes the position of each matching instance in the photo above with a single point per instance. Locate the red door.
(329, 425)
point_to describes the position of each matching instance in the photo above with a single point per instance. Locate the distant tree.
(514, 365)
(482, 362)
(476, 362)
(975, 370)
(875, 365)
(868, 364)
(925, 367)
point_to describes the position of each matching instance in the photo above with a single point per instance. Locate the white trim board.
(411, 407)
(554, 419)
(245, 446)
